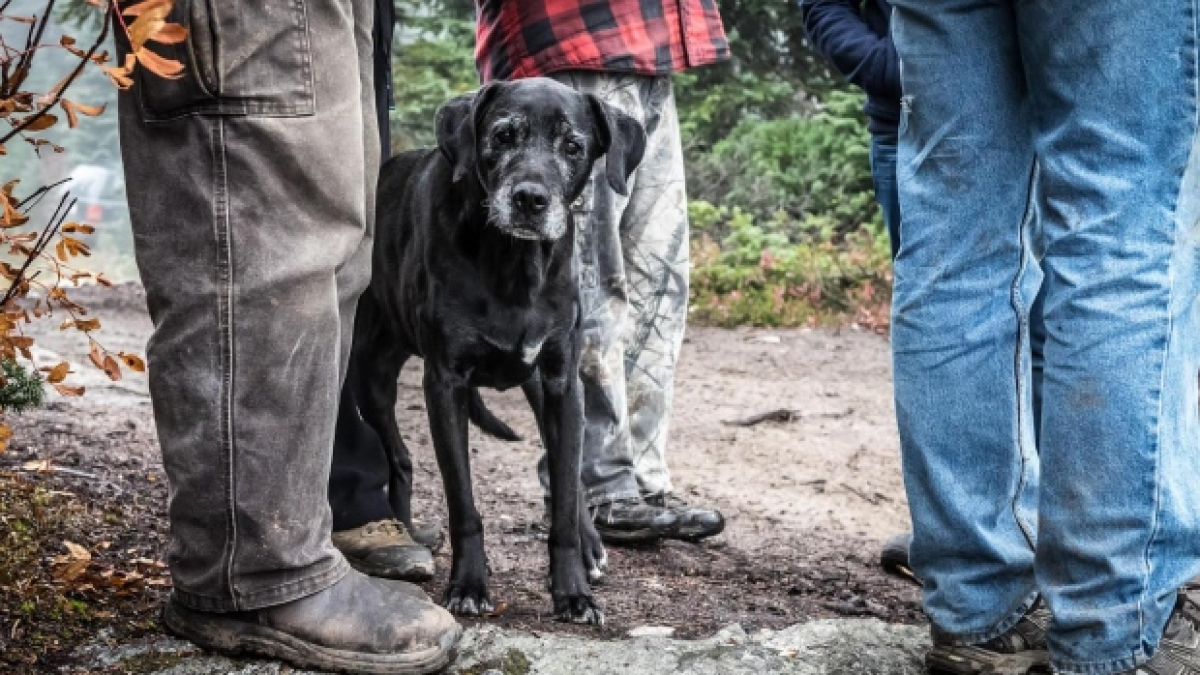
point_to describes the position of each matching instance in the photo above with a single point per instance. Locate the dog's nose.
(531, 199)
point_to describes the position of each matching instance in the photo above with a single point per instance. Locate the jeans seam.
(1023, 342)
(1156, 528)
(225, 322)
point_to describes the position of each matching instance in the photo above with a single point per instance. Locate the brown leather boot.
(385, 549)
(360, 625)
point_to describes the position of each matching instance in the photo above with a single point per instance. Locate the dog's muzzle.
(529, 211)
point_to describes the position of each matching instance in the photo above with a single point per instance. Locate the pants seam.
(225, 320)
(1156, 528)
(1023, 343)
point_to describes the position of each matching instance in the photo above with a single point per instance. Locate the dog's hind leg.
(591, 547)
(447, 399)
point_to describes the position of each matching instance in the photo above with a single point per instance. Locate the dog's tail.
(485, 420)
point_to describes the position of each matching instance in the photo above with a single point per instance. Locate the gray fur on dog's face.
(531, 145)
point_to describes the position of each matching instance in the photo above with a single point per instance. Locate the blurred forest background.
(785, 228)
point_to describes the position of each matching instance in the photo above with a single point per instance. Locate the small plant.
(45, 259)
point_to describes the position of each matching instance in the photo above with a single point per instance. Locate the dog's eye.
(504, 136)
(573, 148)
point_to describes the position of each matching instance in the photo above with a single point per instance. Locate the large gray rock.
(826, 647)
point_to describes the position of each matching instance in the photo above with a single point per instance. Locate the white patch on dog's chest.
(531, 350)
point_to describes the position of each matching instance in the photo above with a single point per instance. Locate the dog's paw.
(578, 609)
(467, 601)
(591, 551)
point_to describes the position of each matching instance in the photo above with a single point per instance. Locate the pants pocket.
(240, 58)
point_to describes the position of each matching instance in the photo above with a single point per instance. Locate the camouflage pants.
(634, 281)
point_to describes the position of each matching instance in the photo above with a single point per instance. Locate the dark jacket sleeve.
(385, 20)
(840, 35)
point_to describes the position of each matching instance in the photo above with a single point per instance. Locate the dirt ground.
(808, 498)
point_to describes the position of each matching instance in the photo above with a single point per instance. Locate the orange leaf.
(85, 325)
(44, 122)
(96, 358)
(5, 436)
(69, 391)
(89, 110)
(134, 363)
(164, 68)
(149, 22)
(170, 34)
(111, 368)
(58, 373)
(69, 108)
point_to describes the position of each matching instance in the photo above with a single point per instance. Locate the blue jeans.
(1050, 147)
(883, 177)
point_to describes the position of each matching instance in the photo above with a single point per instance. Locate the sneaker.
(1019, 651)
(633, 520)
(1179, 651)
(695, 522)
(384, 549)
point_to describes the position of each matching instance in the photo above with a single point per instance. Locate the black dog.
(475, 272)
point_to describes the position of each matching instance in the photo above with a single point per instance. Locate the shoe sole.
(235, 638)
(414, 573)
(642, 536)
(975, 661)
(695, 535)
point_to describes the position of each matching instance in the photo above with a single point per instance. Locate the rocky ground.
(792, 586)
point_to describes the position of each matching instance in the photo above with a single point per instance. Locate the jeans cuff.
(268, 597)
(1112, 667)
(979, 637)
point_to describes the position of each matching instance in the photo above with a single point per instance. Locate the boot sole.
(975, 661)
(694, 535)
(414, 573)
(234, 638)
(643, 536)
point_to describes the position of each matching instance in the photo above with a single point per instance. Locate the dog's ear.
(622, 139)
(455, 124)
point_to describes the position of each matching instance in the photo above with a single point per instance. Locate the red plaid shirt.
(527, 38)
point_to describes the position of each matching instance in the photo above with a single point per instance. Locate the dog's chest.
(504, 359)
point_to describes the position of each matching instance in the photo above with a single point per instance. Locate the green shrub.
(22, 390)
(806, 167)
(751, 272)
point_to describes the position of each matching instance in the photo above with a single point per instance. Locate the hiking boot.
(360, 624)
(428, 535)
(695, 522)
(1179, 651)
(1019, 651)
(384, 549)
(633, 521)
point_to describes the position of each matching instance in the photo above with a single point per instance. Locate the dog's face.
(531, 145)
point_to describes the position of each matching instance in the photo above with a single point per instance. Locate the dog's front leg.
(446, 400)
(563, 411)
